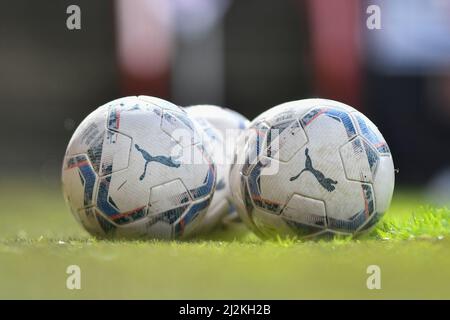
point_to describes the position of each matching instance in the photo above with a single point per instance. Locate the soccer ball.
(225, 120)
(221, 126)
(136, 167)
(312, 168)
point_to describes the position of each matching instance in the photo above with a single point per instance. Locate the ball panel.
(358, 160)
(370, 223)
(115, 152)
(178, 126)
(255, 144)
(264, 195)
(354, 200)
(332, 113)
(168, 196)
(354, 222)
(161, 227)
(118, 206)
(162, 224)
(239, 194)
(160, 103)
(79, 181)
(288, 110)
(373, 157)
(108, 228)
(191, 220)
(88, 137)
(87, 217)
(371, 133)
(208, 184)
(384, 183)
(314, 211)
(134, 119)
(284, 140)
(247, 210)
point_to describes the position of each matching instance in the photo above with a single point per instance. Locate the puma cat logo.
(167, 161)
(327, 183)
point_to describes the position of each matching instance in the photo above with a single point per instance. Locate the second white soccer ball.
(312, 168)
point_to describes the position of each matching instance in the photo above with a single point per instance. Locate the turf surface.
(39, 239)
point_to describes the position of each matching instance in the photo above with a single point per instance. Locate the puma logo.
(327, 183)
(167, 161)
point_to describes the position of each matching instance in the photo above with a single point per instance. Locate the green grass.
(39, 239)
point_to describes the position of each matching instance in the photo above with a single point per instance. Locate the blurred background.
(248, 55)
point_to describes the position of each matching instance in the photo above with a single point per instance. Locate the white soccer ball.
(312, 168)
(222, 127)
(136, 167)
(223, 119)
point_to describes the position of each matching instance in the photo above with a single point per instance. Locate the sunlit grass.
(423, 223)
(39, 239)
